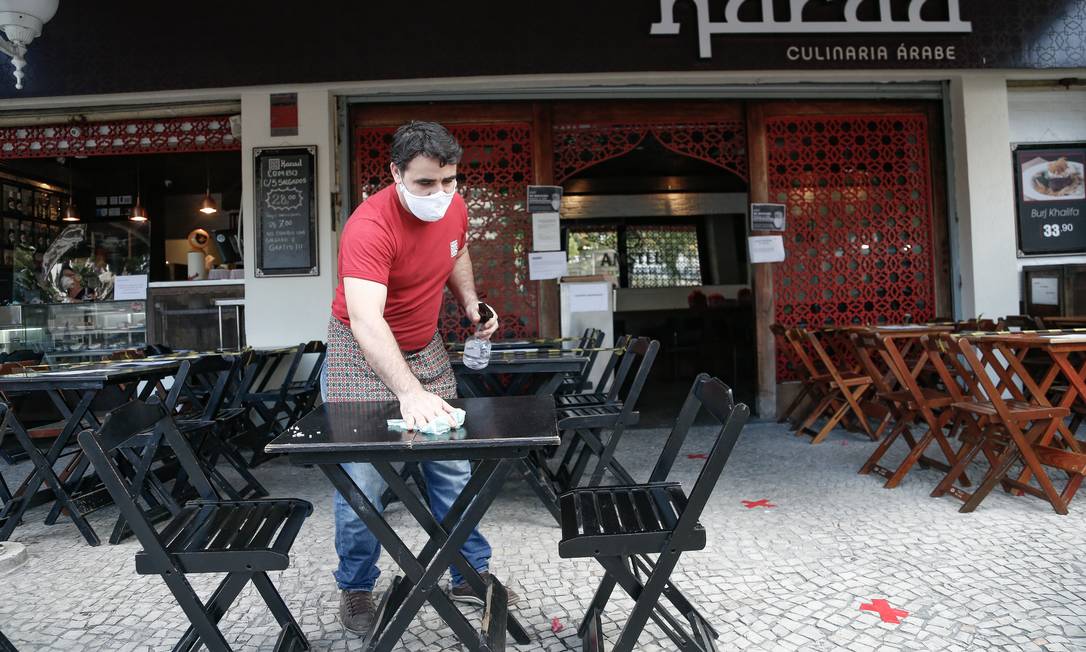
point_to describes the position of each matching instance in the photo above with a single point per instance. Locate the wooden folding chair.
(243, 539)
(911, 405)
(808, 385)
(842, 392)
(621, 526)
(1009, 429)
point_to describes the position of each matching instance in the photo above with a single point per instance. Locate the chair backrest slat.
(607, 378)
(675, 440)
(717, 399)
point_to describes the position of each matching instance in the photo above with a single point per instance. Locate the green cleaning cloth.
(438, 426)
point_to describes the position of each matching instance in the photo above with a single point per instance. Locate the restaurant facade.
(891, 132)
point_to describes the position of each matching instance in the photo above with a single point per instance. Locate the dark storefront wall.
(853, 174)
(86, 49)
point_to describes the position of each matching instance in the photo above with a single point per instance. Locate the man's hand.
(420, 407)
(489, 327)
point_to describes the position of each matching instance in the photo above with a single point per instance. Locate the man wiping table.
(399, 250)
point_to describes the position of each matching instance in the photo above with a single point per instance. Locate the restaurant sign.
(835, 17)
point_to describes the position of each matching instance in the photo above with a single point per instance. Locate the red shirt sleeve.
(366, 250)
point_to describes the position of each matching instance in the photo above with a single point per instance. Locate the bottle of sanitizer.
(476, 349)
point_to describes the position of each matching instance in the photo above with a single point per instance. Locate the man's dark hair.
(424, 139)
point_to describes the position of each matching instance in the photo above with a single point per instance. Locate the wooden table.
(1054, 446)
(546, 368)
(500, 432)
(899, 384)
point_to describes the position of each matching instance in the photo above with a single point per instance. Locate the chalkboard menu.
(1051, 198)
(286, 211)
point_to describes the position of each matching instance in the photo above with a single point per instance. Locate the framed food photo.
(1050, 185)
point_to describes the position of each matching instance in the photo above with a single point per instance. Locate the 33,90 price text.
(1056, 230)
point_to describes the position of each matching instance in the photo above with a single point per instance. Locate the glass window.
(638, 256)
(663, 256)
(593, 251)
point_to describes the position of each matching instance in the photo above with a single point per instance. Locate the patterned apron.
(350, 378)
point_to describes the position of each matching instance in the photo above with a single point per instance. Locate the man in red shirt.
(398, 252)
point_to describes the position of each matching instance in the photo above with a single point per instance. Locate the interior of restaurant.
(78, 229)
(671, 230)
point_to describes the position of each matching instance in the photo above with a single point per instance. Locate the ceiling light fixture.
(208, 207)
(71, 212)
(21, 21)
(139, 213)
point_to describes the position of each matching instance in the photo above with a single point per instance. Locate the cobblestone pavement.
(791, 577)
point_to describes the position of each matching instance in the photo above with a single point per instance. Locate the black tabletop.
(91, 373)
(360, 426)
(506, 345)
(538, 360)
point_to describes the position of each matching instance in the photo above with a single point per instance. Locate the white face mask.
(428, 208)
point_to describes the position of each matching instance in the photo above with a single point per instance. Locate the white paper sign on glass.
(544, 265)
(130, 287)
(1045, 291)
(546, 234)
(589, 297)
(766, 248)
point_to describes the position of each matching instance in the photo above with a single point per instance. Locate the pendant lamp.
(208, 207)
(71, 212)
(139, 213)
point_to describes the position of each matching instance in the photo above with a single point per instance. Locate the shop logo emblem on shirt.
(454, 247)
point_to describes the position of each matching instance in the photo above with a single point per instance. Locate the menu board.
(1051, 198)
(286, 211)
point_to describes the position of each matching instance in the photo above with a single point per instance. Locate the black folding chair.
(590, 343)
(604, 392)
(215, 425)
(244, 539)
(583, 426)
(5, 644)
(137, 460)
(280, 407)
(621, 526)
(582, 430)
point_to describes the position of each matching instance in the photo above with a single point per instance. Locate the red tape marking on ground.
(697, 456)
(556, 625)
(751, 504)
(885, 611)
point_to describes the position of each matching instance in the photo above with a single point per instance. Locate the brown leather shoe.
(463, 593)
(357, 611)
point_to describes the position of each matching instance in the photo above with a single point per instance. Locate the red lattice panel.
(579, 147)
(166, 135)
(493, 174)
(859, 242)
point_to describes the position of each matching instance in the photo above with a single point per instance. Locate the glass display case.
(16, 335)
(82, 331)
(197, 315)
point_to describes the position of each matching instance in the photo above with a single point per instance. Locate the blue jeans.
(359, 550)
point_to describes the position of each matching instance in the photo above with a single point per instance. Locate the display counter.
(197, 315)
(73, 331)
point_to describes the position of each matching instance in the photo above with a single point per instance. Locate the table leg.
(81, 416)
(43, 472)
(549, 387)
(438, 532)
(425, 578)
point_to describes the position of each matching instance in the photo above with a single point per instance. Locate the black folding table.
(499, 432)
(72, 391)
(547, 367)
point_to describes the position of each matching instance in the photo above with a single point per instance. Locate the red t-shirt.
(384, 243)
